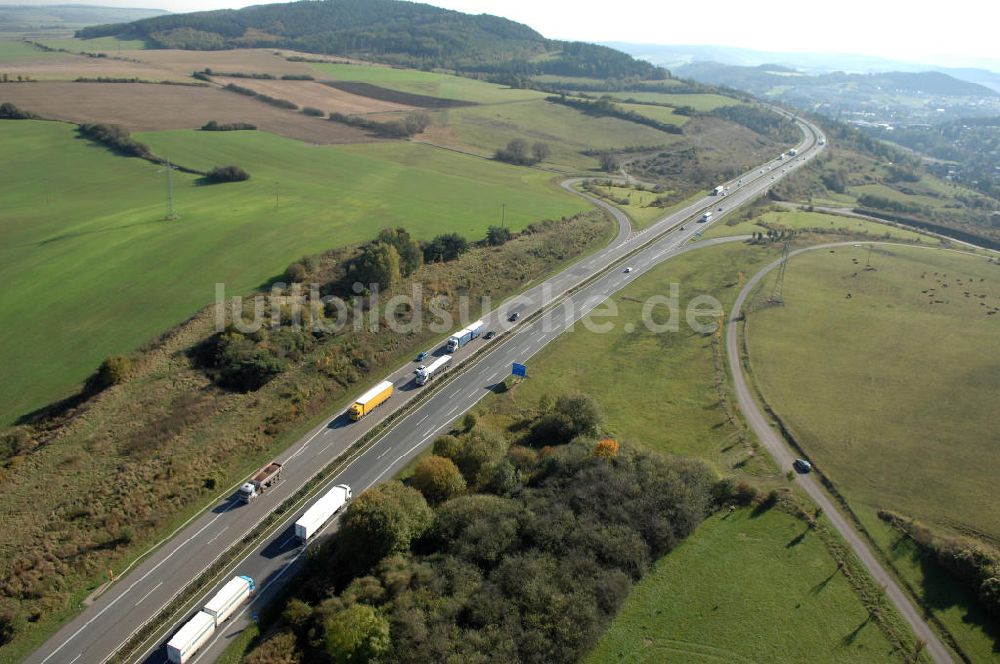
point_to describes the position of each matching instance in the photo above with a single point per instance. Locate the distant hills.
(673, 57)
(771, 79)
(49, 19)
(387, 30)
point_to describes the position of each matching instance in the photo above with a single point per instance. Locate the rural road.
(143, 592)
(784, 455)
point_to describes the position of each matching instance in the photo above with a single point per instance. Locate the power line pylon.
(777, 291)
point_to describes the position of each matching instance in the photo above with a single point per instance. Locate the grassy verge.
(817, 222)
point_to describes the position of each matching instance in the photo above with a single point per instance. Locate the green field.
(667, 377)
(818, 222)
(640, 209)
(659, 113)
(566, 130)
(700, 102)
(433, 84)
(12, 50)
(744, 589)
(107, 44)
(115, 274)
(889, 390)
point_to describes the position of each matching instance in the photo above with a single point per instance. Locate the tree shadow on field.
(819, 587)
(795, 541)
(851, 637)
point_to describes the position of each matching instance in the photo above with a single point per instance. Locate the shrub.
(313, 111)
(117, 138)
(9, 111)
(212, 125)
(438, 478)
(356, 635)
(113, 370)
(227, 174)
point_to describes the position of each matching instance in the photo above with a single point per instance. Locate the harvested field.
(43, 66)
(317, 95)
(244, 60)
(148, 107)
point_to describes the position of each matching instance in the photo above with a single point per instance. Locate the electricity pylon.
(777, 295)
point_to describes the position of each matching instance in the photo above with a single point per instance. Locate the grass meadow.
(818, 222)
(744, 588)
(841, 371)
(698, 101)
(115, 274)
(893, 394)
(432, 84)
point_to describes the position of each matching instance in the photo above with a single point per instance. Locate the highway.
(141, 594)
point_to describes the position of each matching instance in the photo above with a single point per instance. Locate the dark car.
(514, 316)
(802, 465)
(421, 357)
(490, 334)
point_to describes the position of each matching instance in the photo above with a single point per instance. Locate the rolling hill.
(387, 30)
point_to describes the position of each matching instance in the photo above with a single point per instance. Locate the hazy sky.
(950, 33)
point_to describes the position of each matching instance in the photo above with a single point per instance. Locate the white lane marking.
(422, 419)
(287, 540)
(217, 535)
(149, 593)
(325, 448)
(75, 658)
(384, 453)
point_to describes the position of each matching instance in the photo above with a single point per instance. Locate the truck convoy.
(367, 402)
(464, 336)
(262, 480)
(316, 516)
(438, 366)
(199, 629)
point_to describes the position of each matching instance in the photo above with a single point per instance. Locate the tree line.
(605, 107)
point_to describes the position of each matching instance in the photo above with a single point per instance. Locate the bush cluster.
(411, 125)
(529, 568)
(117, 138)
(9, 111)
(519, 152)
(212, 125)
(227, 174)
(605, 107)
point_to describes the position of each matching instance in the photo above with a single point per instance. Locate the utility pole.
(777, 292)
(868, 263)
(171, 215)
(503, 213)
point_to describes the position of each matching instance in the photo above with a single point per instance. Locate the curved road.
(144, 591)
(784, 455)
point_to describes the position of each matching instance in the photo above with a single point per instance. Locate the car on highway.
(802, 465)
(627, 270)
(514, 316)
(420, 357)
(720, 209)
(489, 335)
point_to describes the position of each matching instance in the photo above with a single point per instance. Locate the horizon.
(934, 41)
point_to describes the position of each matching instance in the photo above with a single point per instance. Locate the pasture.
(816, 222)
(890, 378)
(744, 588)
(317, 95)
(115, 275)
(432, 84)
(698, 101)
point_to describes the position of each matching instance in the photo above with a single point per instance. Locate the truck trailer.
(438, 366)
(316, 516)
(199, 629)
(465, 335)
(227, 600)
(190, 637)
(262, 480)
(370, 399)
(719, 191)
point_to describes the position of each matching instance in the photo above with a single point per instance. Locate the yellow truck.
(370, 399)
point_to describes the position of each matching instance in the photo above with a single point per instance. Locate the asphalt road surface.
(142, 593)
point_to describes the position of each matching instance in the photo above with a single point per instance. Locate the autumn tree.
(355, 635)
(379, 263)
(438, 478)
(385, 519)
(606, 448)
(410, 255)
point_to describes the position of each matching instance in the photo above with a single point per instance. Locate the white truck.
(719, 191)
(316, 516)
(199, 629)
(465, 335)
(227, 600)
(705, 217)
(792, 152)
(190, 637)
(438, 366)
